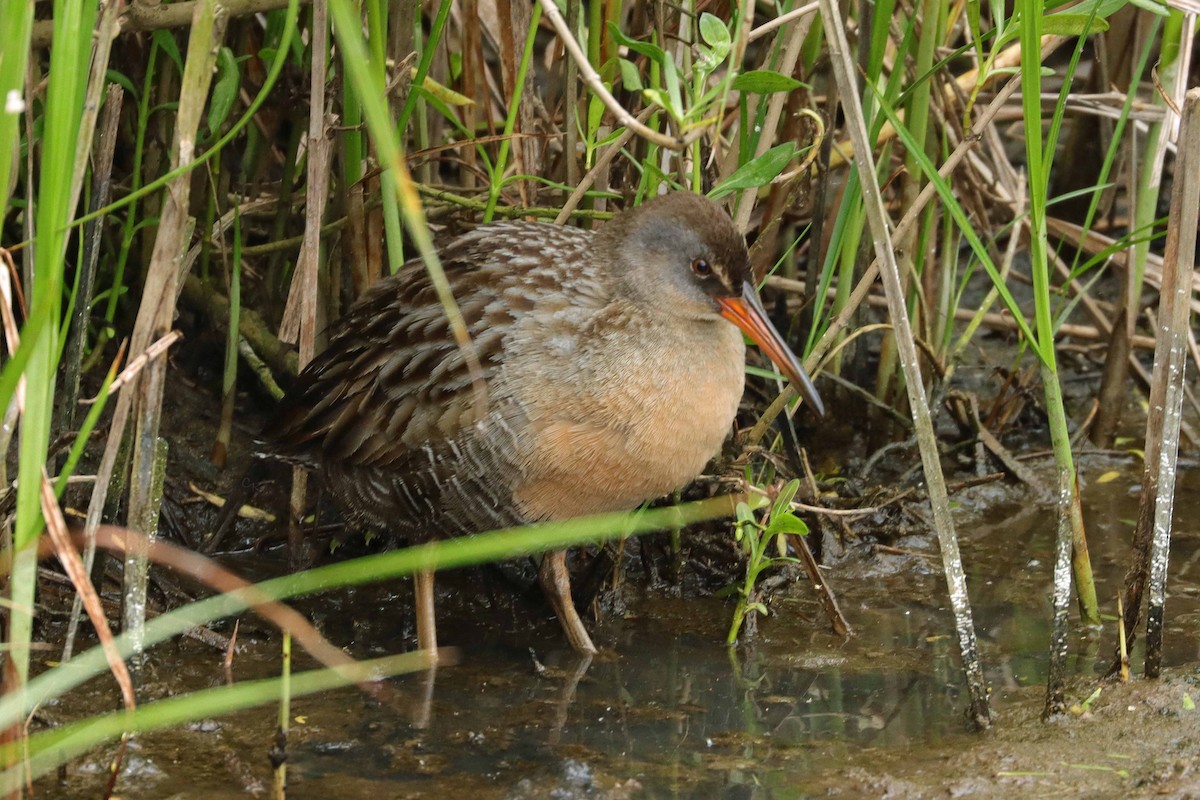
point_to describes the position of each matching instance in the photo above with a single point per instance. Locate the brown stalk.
(156, 312)
(301, 320)
(471, 30)
(1151, 537)
(106, 145)
(209, 573)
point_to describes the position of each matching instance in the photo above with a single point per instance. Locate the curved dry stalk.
(593, 81)
(209, 573)
(784, 19)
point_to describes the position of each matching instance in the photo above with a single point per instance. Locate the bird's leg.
(556, 583)
(426, 620)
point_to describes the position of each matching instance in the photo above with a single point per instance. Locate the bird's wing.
(393, 380)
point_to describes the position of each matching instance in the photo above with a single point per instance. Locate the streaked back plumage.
(609, 376)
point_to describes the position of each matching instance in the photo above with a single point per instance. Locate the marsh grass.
(432, 118)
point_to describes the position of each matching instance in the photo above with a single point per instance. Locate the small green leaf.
(1104, 8)
(612, 137)
(119, 79)
(629, 76)
(1086, 705)
(708, 61)
(595, 114)
(765, 81)
(1188, 703)
(788, 523)
(756, 172)
(657, 97)
(783, 501)
(1073, 24)
(674, 92)
(999, 18)
(443, 93)
(651, 51)
(225, 90)
(165, 41)
(714, 33)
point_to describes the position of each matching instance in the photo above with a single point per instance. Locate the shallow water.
(666, 710)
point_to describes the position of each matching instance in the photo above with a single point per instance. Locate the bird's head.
(682, 255)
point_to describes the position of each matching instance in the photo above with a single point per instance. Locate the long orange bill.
(748, 314)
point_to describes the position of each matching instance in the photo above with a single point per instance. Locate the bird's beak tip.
(748, 314)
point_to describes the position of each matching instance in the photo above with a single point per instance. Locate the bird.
(605, 369)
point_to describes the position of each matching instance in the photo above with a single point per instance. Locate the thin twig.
(606, 158)
(136, 364)
(784, 19)
(594, 82)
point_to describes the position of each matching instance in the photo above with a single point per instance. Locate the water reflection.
(670, 707)
(665, 710)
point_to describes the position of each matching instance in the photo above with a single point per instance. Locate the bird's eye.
(701, 267)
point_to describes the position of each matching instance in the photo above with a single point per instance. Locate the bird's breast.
(630, 425)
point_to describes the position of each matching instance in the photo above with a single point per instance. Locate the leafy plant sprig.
(756, 539)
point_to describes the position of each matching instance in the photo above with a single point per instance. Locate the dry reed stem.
(156, 311)
(86, 281)
(1151, 538)
(939, 500)
(784, 19)
(514, 30)
(300, 318)
(138, 362)
(106, 31)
